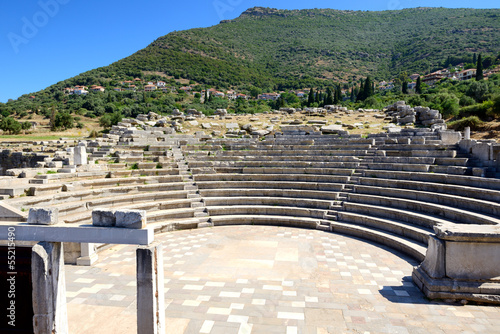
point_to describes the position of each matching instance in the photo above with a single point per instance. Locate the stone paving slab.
(265, 279)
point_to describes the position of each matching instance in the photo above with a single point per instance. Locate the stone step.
(205, 224)
(38, 181)
(407, 246)
(403, 229)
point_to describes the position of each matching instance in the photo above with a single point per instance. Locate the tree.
(360, 95)
(338, 94)
(310, 98)
(63, 120)
(367, 88)
(479, 69)
(404, 87)
(10, 125)
(418, 86)
(329, 97)
(474, 59)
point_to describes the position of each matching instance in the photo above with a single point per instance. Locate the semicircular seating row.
(389, 190)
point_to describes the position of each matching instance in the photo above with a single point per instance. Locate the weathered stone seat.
(145, 172)
(471, 181)
(265, 210)
(270, 185)
(87, 195)
(303, 222)
(449, 189)
(330, 158)
(307, 165)
(272, 177)
(426, 220)
(393, 240)
(468, 203)
(459, 216)
(277, 170)
(266, 192)
(268, 201)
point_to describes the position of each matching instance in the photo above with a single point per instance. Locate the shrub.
(472, 121)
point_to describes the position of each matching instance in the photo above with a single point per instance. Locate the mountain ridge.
(276, 48)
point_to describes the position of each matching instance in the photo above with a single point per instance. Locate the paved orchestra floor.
(265, 279)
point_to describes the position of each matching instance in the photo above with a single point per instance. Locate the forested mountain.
(297, 48)
(266, 50)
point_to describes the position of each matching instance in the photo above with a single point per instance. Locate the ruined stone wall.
(9, 159)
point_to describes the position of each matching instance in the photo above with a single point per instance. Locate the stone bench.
(420, 153)
(423, 219)
(284, 147)
(275, 170)
(287, 152)
(112, 182)
(86, 195)
(302, 222)
(392, 240)
(471, 181)
(457, 215)
(350, 159)
(272, 177)
(450, 189)
(268, 201)
(308, 165)
(80, 212)
(265, 210)
(145, 172)
(468, 203)
(401, 228)
(270, 185)
(397, 167)
(291, 193)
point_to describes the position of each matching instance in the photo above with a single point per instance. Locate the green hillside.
(267, 50)
(296, 48)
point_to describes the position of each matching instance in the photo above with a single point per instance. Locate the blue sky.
(46, 41)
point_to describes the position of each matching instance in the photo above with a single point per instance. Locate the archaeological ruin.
(426, 192)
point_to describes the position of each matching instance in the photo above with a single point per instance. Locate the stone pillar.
(150, 290)
(49, 288)
(80, 155)
(467, 133)
(88, 255)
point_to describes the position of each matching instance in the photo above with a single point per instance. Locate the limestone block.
(433, 263)
(472, 260)
(232, 126)
(450, 137)
(103, 217)
(80, 155)
(482, 151)
(131, 218)
(43, 216)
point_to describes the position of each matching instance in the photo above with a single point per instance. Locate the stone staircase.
(197, 203)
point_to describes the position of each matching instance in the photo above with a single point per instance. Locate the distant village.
(456, 73)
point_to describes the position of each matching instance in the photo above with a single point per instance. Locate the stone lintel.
(80, 233)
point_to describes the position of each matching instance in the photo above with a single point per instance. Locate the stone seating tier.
(450, 189)
(323, 186)
(457, 215)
